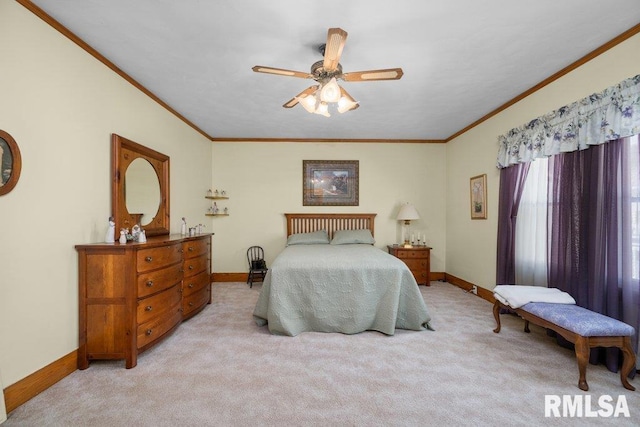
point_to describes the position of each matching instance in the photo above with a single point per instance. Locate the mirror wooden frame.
(16, 163)
(123, 152)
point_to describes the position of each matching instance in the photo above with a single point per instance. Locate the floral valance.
(596, 119)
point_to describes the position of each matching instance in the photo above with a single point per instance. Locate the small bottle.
(183, 230)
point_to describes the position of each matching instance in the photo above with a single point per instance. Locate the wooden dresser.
(131, 296)
(417, 258)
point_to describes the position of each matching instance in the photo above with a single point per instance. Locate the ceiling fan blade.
(363, 76)
(296, 99)
(336, 39)
(281, 72)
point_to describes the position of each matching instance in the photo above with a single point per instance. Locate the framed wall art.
(478, 189)
(330, 183)
(10, 163)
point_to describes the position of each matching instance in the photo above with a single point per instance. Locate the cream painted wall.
(61, 106)
(471, 245)
(264, 180)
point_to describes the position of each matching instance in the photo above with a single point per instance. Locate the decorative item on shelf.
(216, 193)
(200, 227)
(183, 229)
(226, 211)
(209, 193)
(407, 213)
(123, 236)
(215, 208)
(223, 193)
(111, 231)
(142, 237)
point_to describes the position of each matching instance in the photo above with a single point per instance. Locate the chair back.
(255, 257)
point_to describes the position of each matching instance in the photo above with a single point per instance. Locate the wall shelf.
(217, 211)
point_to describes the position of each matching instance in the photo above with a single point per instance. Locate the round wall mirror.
(142, 191)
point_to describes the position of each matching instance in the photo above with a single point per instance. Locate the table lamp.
(407, 213)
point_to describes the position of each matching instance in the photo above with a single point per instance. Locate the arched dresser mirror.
(139, 187)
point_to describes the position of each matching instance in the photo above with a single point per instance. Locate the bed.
(347, 288)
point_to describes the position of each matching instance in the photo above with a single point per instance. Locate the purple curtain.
(590, 228)
(511, 184)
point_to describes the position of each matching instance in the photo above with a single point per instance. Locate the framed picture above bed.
(330, 183)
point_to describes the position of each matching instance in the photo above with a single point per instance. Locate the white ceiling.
(461, 58)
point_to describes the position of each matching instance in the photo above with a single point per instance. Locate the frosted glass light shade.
(308, 102)
(330, 92)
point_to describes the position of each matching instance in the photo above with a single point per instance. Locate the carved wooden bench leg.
(582, 354)
(496, 314)
(628, 363)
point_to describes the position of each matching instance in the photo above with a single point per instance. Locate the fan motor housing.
(320, 74)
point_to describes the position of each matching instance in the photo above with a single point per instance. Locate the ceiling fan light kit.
(316, 99)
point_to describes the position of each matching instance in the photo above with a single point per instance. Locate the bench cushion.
(579, 320)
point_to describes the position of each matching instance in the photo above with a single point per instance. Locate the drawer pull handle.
(150, 283)
(191, 267)
(190, 249)
(190, 304)
(148, 259)
(190, 285)
(149, 332)
(148, 308)
(181, 250)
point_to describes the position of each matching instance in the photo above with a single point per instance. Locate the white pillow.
(346, 237)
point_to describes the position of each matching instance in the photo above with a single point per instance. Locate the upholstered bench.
(583, 327)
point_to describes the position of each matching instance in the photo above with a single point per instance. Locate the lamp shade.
(407, 212)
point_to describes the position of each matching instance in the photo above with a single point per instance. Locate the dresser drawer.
(156, 328)
(196, 301)
(416, 264)
(422, 277)
(412, 254)
(158, 280)
(193, 266)
(193, 284)
(158, 304)
(193, 248)
(153, 258)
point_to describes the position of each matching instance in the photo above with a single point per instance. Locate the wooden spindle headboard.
(331, 222)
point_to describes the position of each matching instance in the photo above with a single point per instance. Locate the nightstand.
(417, 258)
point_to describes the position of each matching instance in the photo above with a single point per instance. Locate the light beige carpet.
(219, 369)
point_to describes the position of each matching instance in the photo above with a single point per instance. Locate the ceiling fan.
(326, 72)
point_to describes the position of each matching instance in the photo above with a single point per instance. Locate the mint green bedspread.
(339, 288)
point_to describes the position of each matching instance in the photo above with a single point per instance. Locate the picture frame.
(10, 163)
(478, 195)
(330, 183)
